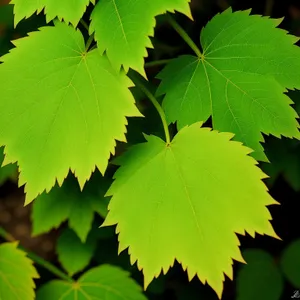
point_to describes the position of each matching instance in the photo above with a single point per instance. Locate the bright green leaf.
(104, 282)
(247, 65)
(66, 112)
(16, 274)
(186, 201)
(72, 253)
(69, 203)
(67, 10)
(260, 279)
(290, 263)
(122, 28)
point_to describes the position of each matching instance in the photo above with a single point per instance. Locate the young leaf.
(104, 282)
(66, 111)
(16, 273)
(290, 263)
(246, 66)
(260, 279)
(186, 201)
(122, 28)
(72, 253)
(67, 10)
(69, 203)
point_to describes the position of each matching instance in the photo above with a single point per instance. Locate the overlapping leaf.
(66, 110)
(69, 203)
(290, 263)
(16, 274)
(104, 282)
(260, 279)
(246, 66)
(67, 10)
(122, 28)
(185, 201)
(284, 160)
(72, 253)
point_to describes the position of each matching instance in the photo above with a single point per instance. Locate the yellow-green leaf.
(16, 274)
(186, 201)
(66, 111)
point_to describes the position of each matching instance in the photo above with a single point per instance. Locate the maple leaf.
(240, 80)
(66, 112)
(16, 273)
(104, 282)
(68, 10)
(69, 203)
(122, 28)
(186, 201)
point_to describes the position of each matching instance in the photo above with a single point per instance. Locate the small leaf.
(132, 22)
(240, 80)
(72, 253)
(66, 112)
(290, 263)
(68, 10)
(186, 201)
(69, 203)
(260, 279)
(16, 274)
(104, 282)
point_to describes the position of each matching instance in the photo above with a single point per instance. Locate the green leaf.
(16, 274)
(186, 201)
(290, 263)
(66, 112)
(122, 28)
(104, 282)
(260, 279)
(72, 253)
(284, 159)
(240, 80)
(67, 10)
(6, 16)
(8, 171)
(69, 203)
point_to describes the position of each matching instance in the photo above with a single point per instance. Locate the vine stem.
(185, 36)
(158, 107)
(89, 42)
(37, 259)
(84, 24)
(157, 63)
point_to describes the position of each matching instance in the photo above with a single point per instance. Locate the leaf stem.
(47, 265)
(37, 259)
(89, 42)
(6, 236)
(84, 24)
(158, 107)
(157, 63)
(185, 36)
